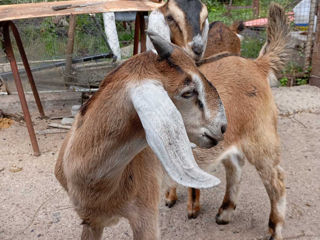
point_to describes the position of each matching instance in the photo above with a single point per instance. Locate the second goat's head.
(183, 22)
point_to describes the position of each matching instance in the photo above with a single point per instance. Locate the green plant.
(251, 46)
(283, 81)
(301, 81)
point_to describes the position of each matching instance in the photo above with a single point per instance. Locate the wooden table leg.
(136, 34)
(142, 32)
(17, 79)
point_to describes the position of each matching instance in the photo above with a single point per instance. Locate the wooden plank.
(45, 9)
(68, 76)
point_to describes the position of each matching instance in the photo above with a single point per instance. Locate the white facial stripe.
(157, 24)
(200, 39)
(205, 36)
(202, 97)
(221, 118)
(197, 40)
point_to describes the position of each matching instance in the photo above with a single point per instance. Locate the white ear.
(166, 135)
(157, 24)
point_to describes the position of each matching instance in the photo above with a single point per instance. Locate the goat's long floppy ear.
(157, 24)
(166, 135)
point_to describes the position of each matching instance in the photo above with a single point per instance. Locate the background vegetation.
(46, 38)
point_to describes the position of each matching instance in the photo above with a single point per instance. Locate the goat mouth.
(213, 141)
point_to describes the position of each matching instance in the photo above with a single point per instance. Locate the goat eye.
(169, 18)
(188, 94)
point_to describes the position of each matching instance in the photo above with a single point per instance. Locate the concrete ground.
(34, 206)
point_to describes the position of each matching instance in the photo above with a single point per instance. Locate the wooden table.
(8, 13)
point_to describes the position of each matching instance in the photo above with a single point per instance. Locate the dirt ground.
(34, 206)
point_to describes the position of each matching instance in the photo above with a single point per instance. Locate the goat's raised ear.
(162, 46)
(166, 135)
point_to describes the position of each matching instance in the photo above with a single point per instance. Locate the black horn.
(163, 47)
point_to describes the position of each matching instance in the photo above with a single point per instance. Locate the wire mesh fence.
(45, 41)
(254, 15)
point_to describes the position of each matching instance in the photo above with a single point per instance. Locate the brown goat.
(105, 164)
(222, 38)
(252, 125)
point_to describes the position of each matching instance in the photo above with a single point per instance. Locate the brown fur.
(222, 39)
(252, 121)
(193, 202)
(237, 27)
(104, 189)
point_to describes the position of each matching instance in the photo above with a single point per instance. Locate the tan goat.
(104, 163)
(252, 124)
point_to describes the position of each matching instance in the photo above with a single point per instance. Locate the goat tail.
(275, 50)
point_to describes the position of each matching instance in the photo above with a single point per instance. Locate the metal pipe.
(13, 63)
(27, 67)
(62, 63)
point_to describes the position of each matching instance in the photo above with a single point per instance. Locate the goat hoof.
(221, 221)
(193, 215)
(275, 238)
(170, 203)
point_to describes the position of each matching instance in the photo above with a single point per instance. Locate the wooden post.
(255, 8)
(142, 32)
(315, 72)
(69, 51)
(136, 34)
(308, 50)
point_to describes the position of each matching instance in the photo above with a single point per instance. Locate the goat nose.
(197, 49)
(223, 128)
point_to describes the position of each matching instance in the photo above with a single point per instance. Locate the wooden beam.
(315, 72)
(46, 9)
(68, 77)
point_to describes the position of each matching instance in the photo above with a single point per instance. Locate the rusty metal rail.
(5, 27)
